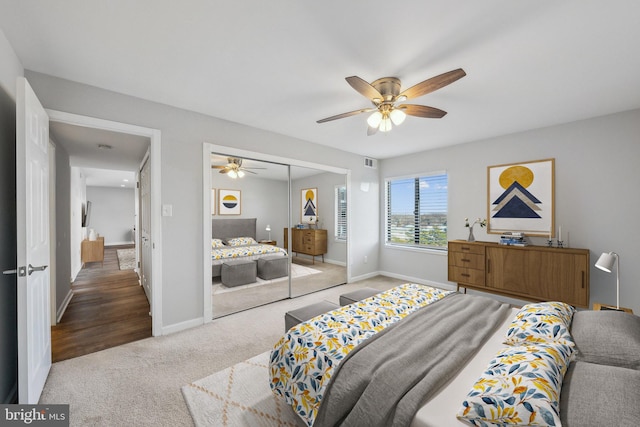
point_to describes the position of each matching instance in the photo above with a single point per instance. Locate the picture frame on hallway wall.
(520, 198)
(309, 206)
(229, 202)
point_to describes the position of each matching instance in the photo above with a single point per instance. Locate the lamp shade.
(268, 228)
(606, 261)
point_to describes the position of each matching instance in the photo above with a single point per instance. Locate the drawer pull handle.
(466, 248)
(583, 280)
(465, 275)
(465, 260)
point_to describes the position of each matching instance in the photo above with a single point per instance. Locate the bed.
(485, 364)
(234, 239)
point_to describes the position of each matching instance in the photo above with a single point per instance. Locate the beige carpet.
(296, 271)
(239, 396)
(126, 259)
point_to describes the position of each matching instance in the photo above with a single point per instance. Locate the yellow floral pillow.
(521, 386)
(241, 241)
(540, 323)
(216, 243)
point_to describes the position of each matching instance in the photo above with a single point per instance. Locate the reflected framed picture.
(309, 205)
(520, 197)
(229, 202)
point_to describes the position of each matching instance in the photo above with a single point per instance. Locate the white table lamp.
(605, 263)
(269, 230)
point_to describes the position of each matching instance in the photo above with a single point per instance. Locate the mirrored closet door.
(318, 231)
(250, 210)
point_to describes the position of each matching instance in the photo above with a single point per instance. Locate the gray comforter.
(384, 381)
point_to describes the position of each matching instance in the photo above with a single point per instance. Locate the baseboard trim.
(12, 397)
(63, 306)
(182, 326)
(364, 276)
(334, 262)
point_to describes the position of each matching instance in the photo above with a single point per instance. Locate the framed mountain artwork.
(309, 206)
(520, 198)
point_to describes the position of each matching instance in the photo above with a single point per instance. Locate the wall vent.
(370, 163)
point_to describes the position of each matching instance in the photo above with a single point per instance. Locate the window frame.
(415, 245)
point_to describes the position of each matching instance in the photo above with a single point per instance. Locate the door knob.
(32, 268)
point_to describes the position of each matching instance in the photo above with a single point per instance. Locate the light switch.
(167, 210)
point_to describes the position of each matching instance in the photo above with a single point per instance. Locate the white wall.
(78, 196)
(596, 194)
(263, 199)
(112, 213)
(325, 183)
(183, 135)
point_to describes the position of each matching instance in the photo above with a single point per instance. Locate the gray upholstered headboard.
(226, 228)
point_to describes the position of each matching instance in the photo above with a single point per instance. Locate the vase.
(471, 238)
(92, 234)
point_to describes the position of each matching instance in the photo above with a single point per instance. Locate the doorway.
(153, 137)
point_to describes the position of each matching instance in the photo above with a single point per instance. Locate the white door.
(145, 227)
(32, 200)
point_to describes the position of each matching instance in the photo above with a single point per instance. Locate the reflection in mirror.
(250, 198)
(318, 232)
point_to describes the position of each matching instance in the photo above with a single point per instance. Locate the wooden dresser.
(307, 241)
(93, 250)
(536, 273)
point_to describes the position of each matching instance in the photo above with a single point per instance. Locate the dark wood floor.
(108, 309)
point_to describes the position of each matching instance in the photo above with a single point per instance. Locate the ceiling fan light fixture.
(232, 174)
(375, 119)
(240, 174)
(397, 116)
(385, 124)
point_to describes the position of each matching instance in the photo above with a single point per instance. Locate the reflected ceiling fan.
(385, 95)
(234, 168)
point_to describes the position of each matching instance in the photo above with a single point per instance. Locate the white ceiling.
(281, 65)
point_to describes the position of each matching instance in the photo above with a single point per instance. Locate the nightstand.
(269, 242)
(598, 306)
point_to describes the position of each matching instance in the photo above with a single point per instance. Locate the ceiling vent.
(370, 163)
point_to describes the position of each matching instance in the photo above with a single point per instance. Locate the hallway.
(108, 309)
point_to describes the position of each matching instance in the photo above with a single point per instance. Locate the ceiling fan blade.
(343, 115)
(217, 167)
(364, 88)
(224, 170)
(371, 130)
(422, 111)
(433, 84)
(250, 168)
(247, 170)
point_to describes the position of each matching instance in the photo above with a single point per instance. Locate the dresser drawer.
(467, 260)
(466, 247)
(470, 276)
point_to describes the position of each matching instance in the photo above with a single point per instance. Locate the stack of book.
(514, 239)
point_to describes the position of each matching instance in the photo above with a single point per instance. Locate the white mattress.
(441, 410)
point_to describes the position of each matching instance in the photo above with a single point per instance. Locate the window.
(341, 212)
(417, 211)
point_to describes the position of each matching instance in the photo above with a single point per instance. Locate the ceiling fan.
(234, 168)
(385, 94)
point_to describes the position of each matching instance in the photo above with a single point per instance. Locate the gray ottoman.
(272, 267)
(358, 295)
(299, 315)
(236, 273)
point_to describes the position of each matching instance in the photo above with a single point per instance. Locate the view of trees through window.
(417, 211)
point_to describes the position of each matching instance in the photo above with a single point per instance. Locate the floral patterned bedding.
(220, 255)
(303, 360)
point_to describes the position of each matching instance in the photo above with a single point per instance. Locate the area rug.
(296, 271)
(126, 258)
(239, 396)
